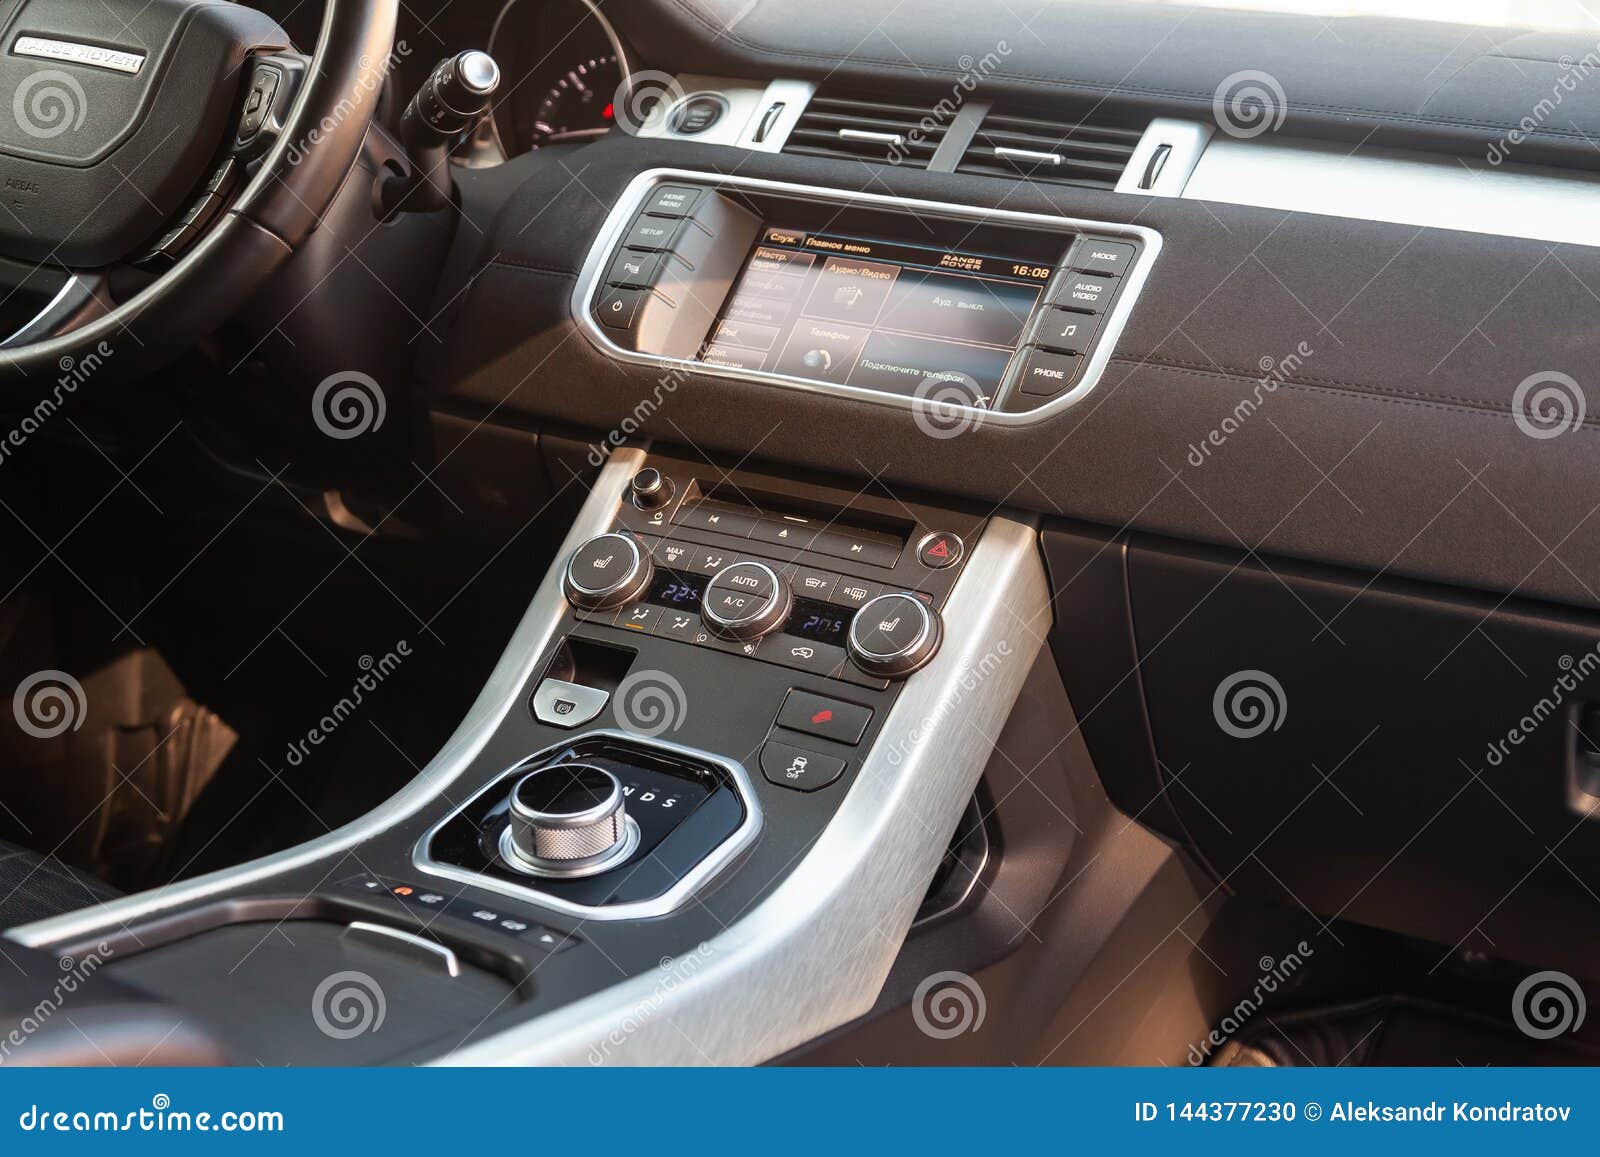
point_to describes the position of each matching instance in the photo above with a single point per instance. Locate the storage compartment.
(1375, 750)
(296, 991)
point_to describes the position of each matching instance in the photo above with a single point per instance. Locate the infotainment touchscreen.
(939, 323)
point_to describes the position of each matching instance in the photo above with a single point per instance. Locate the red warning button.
(940, 549)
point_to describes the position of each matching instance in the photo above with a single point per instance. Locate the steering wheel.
(132, 126)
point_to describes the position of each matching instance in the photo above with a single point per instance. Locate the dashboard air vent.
(868, 130)
(1083, 153)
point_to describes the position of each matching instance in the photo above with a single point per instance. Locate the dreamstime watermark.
(348, 404)
(1573, 73)
(74, 974)
(49, 103)
(348, 1004)
(640, 95)
(672, 974)
(1249, 703)
(1249, 103)
(938, 118)
(947, 1004)
(160, 1117)
(973, 676)
(944, 404)
(368, 85)
(374, 672)
(665, 387)
(49, 703)
(1548, 1004)
(1574, 672)
(74, 373)
(1274, 975)
(651, 703)
(1548, 404)
(1275, 372)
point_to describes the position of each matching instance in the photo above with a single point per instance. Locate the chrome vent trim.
(868, 130)
(1087, 153)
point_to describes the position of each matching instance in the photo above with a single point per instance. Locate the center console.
(952, 312)
(718, 766)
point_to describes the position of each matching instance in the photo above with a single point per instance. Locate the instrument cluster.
(568, 65)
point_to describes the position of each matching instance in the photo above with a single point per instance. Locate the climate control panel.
(795, 616)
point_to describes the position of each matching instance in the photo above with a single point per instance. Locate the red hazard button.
(940, 549)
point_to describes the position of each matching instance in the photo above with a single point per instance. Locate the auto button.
(745, 601)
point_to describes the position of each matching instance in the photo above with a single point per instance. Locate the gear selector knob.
(568, 820)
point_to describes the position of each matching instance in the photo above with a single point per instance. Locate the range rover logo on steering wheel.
(93, 55)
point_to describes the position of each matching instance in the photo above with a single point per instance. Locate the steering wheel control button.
(635, 269)
(745, 601)
(258, 101)
(1065, 330)
(1090, 292)
(1047, 373)
(672, 200)
(939, 550)
(1108, 258)
(823, 717)
(650, 489)
(697, 114)
(894, 635)
(607, 571)
(799, 769)
(568, 820)
(655, 234)
(563, 704)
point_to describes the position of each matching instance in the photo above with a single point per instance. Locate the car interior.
(502, 572)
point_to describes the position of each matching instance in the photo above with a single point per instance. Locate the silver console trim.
(616, 223)
(814, 954)
(420, 946)
(672, 899)
(502, 694)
